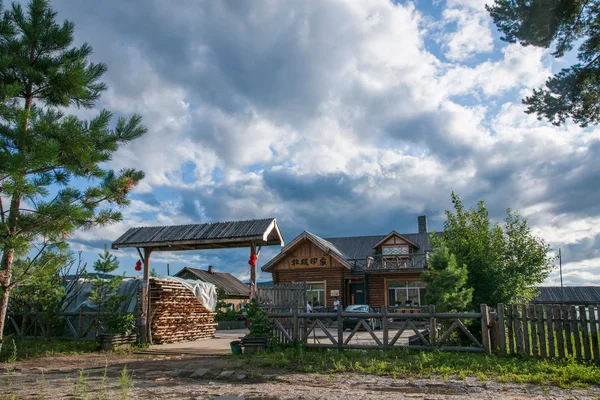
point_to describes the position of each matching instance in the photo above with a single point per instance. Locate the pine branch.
(578, 76)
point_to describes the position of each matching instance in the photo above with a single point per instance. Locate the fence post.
(432, 326)
(295, 325)
(485, 330)
(385, 328)
(501, 331)
(340, 326)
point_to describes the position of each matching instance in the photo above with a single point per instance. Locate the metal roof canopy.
(218, 235)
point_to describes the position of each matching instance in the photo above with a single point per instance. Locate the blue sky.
(338, 117)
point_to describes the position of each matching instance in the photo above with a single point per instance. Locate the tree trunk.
(5, 278)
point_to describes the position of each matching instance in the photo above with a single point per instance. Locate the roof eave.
(200, 244)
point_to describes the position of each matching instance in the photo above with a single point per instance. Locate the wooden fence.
(68, 325)
(282, 297)
(430, 330)
(548, 331)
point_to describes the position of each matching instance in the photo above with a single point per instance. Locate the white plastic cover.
(204, 291)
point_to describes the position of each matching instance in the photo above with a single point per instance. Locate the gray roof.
(222, 280)
(203, 236)
(360, 247)
(579, 295)
(350, 248)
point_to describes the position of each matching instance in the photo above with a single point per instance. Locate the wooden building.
(375, 270)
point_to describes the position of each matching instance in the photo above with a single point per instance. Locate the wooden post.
(340, 327)
(146, 323)
(541, 329)
(485, 330)
(525, 320)
(585, 332)
(511, 331)
(550, 324)
(253, 270)
(534, 333)
(594, 332)
(558, 328)
(432, 326)
(518, 331)
(385, 328)
(575, 328)
(295, 328)
(567, 327)
(501, 338)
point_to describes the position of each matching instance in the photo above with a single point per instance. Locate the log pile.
(177, 315)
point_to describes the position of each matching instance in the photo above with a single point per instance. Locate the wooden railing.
(68, 325)
(381, 262)
(430, 330)
(549, 331)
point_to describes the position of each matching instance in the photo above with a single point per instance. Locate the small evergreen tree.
(446, 282)
(105, 294)
(104, 290)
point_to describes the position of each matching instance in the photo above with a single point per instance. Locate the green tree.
(104, 288)
(505, 264)
(446, 282)
(105, 295)
(46, 155)
(574, 92)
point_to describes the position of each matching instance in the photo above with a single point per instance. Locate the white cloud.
(472, 35)
(333, 115)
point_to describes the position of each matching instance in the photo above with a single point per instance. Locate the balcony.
(381, 262)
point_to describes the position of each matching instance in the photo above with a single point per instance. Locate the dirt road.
(209, 377)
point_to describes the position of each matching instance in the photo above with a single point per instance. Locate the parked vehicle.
(350, 322)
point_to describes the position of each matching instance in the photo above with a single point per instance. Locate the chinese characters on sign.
(310, 262)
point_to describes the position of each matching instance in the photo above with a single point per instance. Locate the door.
(357, 293)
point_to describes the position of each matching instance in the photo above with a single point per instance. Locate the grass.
(402, 362)
(23, 349)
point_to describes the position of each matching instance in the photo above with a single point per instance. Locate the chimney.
(211, 269)
(422, 219)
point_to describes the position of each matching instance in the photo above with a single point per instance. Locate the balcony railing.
(381, 262)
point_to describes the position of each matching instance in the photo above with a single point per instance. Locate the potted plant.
(118, 330)
(261, 329)
(408, 303)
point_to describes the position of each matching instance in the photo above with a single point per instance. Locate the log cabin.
(378, 270)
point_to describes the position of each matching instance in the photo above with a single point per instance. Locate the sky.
(337, 117)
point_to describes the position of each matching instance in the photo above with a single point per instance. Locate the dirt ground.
(169, 377)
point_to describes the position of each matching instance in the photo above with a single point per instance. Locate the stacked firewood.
(177, 315)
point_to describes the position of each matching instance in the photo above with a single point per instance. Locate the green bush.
(119, 323)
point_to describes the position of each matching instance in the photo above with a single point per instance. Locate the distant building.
(576, 295)
(236, 291)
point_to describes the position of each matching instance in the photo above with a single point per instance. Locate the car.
(350, 322)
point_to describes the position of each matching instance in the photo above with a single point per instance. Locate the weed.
(125, 383)
(43, 387)
(102, 389)
(79, 389)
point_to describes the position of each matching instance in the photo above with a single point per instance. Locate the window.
(401, 291)
(316, 291)
(401, 250)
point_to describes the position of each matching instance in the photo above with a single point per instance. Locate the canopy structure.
(219, 235)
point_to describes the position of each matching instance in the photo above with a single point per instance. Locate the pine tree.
(46, 156)
(446, 282)
(574, 92)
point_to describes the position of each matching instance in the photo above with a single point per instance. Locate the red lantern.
(138, 265)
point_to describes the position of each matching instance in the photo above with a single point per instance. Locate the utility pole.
(562, 289)
(168, 270)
